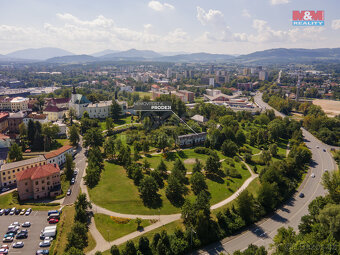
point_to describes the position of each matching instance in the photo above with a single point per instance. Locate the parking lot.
(31, 244)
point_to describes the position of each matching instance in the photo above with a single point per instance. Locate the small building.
(5, 141)
(58, 157)
(39, 182)
(3, 121)
(191, 140)
(14, 120)
(19, 104)
(54, 113)
(42, 118)
(199, 118)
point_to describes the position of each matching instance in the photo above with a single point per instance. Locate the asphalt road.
(31, 244)
(289, 214)
(80, 163)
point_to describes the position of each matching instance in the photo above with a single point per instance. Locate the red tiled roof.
(37, 172)
(3, 115)
(2, 136)
(61, 100)
(56, 153)
(52, 108)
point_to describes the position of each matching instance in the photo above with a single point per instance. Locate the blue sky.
(216, 26)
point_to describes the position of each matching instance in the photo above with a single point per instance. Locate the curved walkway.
(103, 245)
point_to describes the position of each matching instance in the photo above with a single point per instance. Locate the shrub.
(236, 159)
(232, 172)
(120, 220)
(203, 150)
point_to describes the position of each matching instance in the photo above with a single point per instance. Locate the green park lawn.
(112, 230)
(188, 157)
(116, 192)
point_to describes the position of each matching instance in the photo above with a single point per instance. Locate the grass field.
(91, 243)
(112, 230)
(116, 192)
(64, 227)
(143, 94)
(171, 157)
(6, 201)
(170, 228)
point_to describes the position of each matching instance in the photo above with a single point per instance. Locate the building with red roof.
(58, 157)
(39, 182)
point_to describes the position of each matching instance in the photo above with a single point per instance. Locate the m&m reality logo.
(308, 18)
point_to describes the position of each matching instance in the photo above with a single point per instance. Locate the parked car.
(7, 211)
(3, 251)
(45, 243)
(28, 211)
(17, 211)
(73, 181)
(18, 245)
(8, 239)
(4, 189)
(42, 252)
(4, 246)
(15, 223)
(10, 234)
(22, 235)
(302, 195)
(312, 175)
(2, 211)
(69, 192)
(324, 150)
(22, 212)
(53, 221)
(26, 224)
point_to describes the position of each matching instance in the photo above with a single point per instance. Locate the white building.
(58, 157)
(42, 118)
(19, 104)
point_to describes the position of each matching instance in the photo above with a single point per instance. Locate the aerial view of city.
(167, 127)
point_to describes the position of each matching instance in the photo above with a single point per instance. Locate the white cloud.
(212, 17)
(147, 26)
(245, 13)
(276, 2)
(158, 6)
(336, 24)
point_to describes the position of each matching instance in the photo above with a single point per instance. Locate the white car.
(312, 175)
(22, 212)
(28, 211)
(18, 245)
(48, 238)
(27, 224)
(44, 243)
(15, 223)
(3, 251)
(317, 147)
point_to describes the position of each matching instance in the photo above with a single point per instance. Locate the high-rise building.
(169, 73)
(263, 75)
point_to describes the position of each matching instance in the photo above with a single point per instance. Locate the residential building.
(59, 102)
(184, 95)
(42, 118)
(54, 113)
(5, 103)
(99, 110)
(39, 182)
(62, 128)
(245, 86)
(14, 120)
(19, 104)
(263, 75)
(3, 121)
(5, 141)
(58, 157)
(8, 171)
(191, 140)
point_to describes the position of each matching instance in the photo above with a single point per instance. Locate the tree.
(175, 190)
(148, 189)
(15, 153)
(273, 149)
(129, 248)
(86, 115)
(30, 131)
(331, 182)
(23, 131)
(283, 240)
(98, 253)
(198, 183)
(268, 196)
(92, 176)
(138, 222)
(229, 148)
(116, 110)
(69, 166)
(74, 135)
(265, 157)
(144, 245)
(162, 141)
(162, 169)
(93, 137)
(158, 178)
(114, 250)
(240, 137)
(50, 132)
(109, 125)
(109, 148)
(74, 251)
(213, 164)
(197, 168)
(77, 237)
(246, 206)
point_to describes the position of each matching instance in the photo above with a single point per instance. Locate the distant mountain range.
(39, 54)
(280, 56)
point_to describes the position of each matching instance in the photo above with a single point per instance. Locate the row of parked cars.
(73, 180)
(15, 211)
(14, 231)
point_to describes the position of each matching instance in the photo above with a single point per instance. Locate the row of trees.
(77, 238)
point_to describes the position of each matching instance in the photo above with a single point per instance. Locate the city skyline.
(236, 27)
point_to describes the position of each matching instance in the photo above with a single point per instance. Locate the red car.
(53, 221)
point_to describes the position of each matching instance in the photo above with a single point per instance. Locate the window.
(27, 190)
(36, 182)
(26, 183)
(48, 183)
(3, 173)
(43, 188)
(13, 171)
(43, 181)
(4, 178)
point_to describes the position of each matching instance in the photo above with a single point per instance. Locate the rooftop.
(19, 100)
(22, 163)
(37, 172)
(57, 152)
